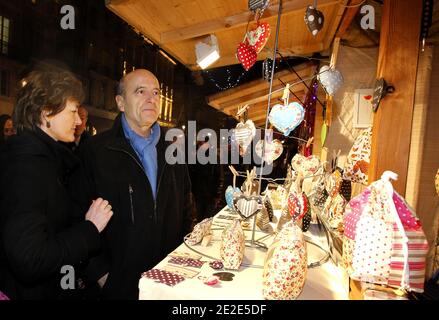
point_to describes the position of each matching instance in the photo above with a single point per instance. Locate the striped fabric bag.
(383, 240)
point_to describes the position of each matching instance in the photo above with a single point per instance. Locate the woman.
(37, 237)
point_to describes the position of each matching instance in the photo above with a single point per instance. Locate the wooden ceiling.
(177, 25)
(255, 93)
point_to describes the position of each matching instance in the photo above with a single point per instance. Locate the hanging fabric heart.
(254, 5)
(258, 37)
(246, 55)
(244, 134)
(229, 195)
(297, 205)
(314, 20)
(273, 150)
(306, 166)
(247, 206)
(330, 79)
(286, 118)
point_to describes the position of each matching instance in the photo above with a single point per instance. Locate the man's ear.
(120, 103)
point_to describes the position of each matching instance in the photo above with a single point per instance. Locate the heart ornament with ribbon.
(273, 150)
(247, 206)
(244, 134)
(330, 79)
(286, 118)
(257, 38)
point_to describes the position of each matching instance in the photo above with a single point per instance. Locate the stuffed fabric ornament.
(306, 221)
(286, 118)
(383, 239)
(273, 150)
(244, 134)
(297, 205)
(229, 195)
(247, 206)
(330, 79)
(284, 218)
(314, 20)
(255, 5)
(257, 38)
(263, 221)
(357, 162)
(285, 265)
(200, 230)
(269, 208)
(307, 166)
(232, 245)
(246, 55)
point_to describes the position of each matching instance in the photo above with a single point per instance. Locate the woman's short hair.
(46, 90)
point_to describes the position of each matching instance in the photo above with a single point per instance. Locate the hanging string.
(300, 78)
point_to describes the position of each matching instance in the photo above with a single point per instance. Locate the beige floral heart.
(273, 150)
(307, 166)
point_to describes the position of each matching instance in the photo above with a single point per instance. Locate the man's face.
(140, 101)
(83, 115)
(8, 129)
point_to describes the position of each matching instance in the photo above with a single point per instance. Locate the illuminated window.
(4, 34)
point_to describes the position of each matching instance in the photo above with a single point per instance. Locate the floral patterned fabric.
(307, 166)
(357, 162)
(285, 265)
(436, 182)
(232, 245)
(200, 230)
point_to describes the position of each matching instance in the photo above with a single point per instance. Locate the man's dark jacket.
(37, 236)
(142, 231)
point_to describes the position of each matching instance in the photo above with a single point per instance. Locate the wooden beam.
(215, 100)
(259, 96)
(335, 23)
(397, 64)
(348, 17)
(238, 20)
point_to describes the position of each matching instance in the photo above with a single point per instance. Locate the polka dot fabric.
(246, 55)
(373, 249)
(407, 216)
(164, 277)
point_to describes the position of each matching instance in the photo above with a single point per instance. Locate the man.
(80, 134)
(151, 199)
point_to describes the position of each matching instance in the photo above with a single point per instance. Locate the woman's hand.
(99, 213)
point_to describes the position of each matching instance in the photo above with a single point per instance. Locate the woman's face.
(63, 125)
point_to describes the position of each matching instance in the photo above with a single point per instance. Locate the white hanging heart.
(244, 133)
(286, 118)
(331, 79)
(247, 206)
(307, 166)
(273, 150)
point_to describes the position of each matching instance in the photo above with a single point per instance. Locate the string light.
(229, 84)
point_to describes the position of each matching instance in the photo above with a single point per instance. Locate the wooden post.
(397, 64)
